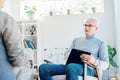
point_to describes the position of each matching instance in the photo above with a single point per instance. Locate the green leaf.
(113, 63)
(30, 10)
(112, 52)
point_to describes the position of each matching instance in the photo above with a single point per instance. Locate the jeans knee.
(71, 67)
(42, 68)
(74, 68)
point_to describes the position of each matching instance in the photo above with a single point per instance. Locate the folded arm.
(12, 41)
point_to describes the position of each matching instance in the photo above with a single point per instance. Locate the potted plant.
(93, 9)
(112, 52)
(30, 11)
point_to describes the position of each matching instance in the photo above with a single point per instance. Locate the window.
(62, 7)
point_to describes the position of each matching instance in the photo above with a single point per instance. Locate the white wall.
(12, 8)
(7, 7)
(117, 23)
(66, 28)
(15, 9)
(59, 31)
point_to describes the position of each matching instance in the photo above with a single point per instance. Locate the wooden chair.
(94, 67)
(97, 77)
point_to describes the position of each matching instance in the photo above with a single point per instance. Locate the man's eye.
(90, 25)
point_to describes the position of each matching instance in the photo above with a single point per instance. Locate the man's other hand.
(88, 58)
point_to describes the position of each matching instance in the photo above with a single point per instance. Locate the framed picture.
(30, 29)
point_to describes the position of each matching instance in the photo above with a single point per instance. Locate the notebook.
(74, 56)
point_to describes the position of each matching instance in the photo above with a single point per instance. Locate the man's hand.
(88, 58)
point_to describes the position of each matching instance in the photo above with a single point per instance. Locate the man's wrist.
(96, 62)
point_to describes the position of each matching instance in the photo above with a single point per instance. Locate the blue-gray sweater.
(96, 47)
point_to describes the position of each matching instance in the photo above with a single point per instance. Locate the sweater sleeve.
(69, 50)
(103, 61)
(12, 41)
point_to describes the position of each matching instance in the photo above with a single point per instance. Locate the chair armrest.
(91, 65)
(47, 61)
(94, 67)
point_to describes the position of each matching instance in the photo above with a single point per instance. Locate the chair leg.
(85, 71)
(98, 74)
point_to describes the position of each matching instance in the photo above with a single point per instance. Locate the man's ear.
(97, 28)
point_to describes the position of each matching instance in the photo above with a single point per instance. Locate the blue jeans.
(72, 71)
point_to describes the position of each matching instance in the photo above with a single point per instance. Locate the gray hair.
(93, 19)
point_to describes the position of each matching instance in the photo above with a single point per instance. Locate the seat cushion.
(62, 77)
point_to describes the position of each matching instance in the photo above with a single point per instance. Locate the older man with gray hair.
(89, 43)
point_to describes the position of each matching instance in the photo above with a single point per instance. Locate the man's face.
(90, 27)
(1, 3)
